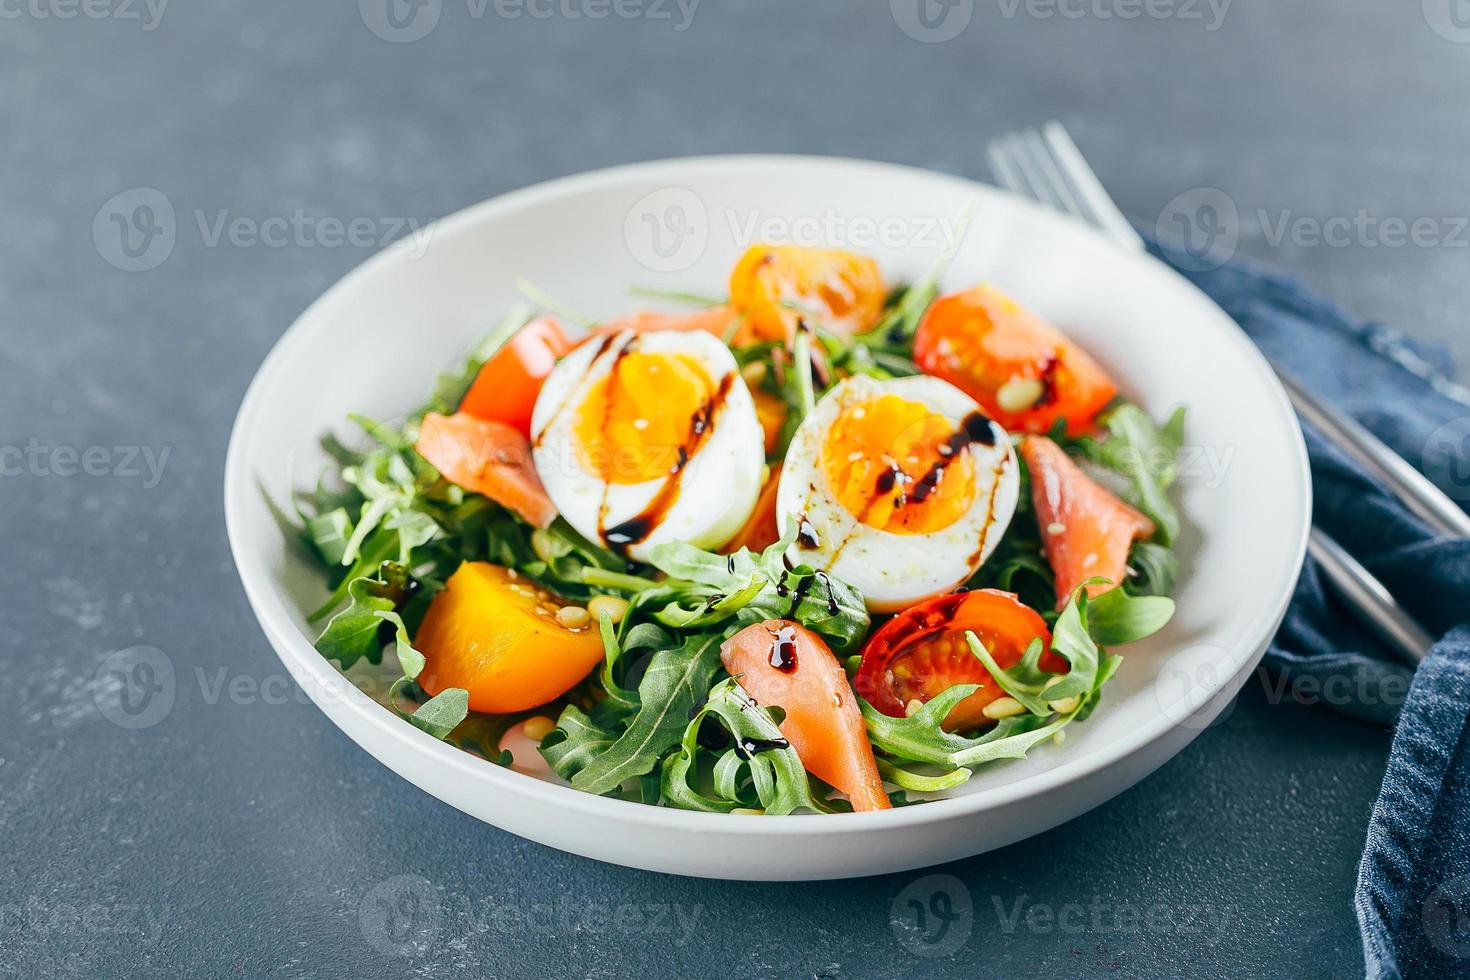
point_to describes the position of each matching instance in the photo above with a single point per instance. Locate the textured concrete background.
(238, 833)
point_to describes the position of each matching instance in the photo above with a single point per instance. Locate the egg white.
(894, 571)
(717, 488)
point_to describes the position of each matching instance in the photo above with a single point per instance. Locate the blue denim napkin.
(1413, 895)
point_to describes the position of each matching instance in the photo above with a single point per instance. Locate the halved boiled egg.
(900, 488)
(645, 438)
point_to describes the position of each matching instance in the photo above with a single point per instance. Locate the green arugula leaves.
(1052, 701)
(675, 681)
(759, 769)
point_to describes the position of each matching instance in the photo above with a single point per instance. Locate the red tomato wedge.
(782, 663)
(922, 652)
(1021, 369)
(715, 320)
(486, 457)
(505, 390)
(1086, 530)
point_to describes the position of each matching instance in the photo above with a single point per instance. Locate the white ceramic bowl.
(376, 340)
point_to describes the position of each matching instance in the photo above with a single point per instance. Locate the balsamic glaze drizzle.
(975, 428)
(783, 649)
(748, 747)
(623, 536)
(806, 533)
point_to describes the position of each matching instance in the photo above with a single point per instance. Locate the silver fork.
(1046, 166)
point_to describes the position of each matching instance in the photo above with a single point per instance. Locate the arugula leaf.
(1025, 681)
(1147, 455)
(1118, 617)
(414, 528)
(708, 609)
(1154, 568)
(328, 533)
(920, 782)
(441, 713)
(576, 742)
(761, 767)
(352, 634)
(919, 737)
(620, 697)
(671, 686)
(410, 660)
(818, 601)
(685, 297)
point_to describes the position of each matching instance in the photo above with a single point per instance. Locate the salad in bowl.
(819, 545)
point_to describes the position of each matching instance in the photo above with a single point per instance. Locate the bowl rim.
(303, 661)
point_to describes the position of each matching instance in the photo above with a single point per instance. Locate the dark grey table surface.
(242, 834)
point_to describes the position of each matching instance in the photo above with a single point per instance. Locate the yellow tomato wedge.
(506, 640)
(775, 285)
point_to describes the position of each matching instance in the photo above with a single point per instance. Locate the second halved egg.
(901, 488)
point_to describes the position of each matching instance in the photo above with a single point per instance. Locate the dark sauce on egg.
(806, 533)
(974, 429)
(621, 537)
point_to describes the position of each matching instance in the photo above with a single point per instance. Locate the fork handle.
(1430, 504)
(1367, 597)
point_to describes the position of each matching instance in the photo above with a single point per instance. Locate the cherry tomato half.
(1021, 369)
(922, 652)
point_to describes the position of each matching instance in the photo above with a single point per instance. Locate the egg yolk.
(896, 466)
(645, 418)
